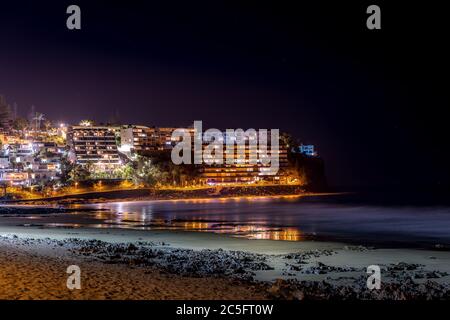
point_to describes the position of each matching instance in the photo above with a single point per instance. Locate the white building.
(14, 178)
(94, 145)
(4, 162)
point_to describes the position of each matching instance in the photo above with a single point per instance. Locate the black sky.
(373, 102)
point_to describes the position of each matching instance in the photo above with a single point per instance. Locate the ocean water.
(367, 220)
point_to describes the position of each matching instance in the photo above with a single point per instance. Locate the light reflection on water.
(275, 219)
(236, 217)
(199, 215)
(246, 231)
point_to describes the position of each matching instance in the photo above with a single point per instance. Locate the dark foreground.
(36, 269)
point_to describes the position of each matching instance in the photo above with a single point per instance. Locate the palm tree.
(38, 118)
(78, 173)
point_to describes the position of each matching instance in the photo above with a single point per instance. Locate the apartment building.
(141, 139)
(94, 145)
(243, 171)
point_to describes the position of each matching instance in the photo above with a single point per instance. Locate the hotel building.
(136, 138)
(95, 145)
(141, 139)
(242, 171)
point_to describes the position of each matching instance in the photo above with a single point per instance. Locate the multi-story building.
(163, 137)
(136, 138)
(5, 115)
(18, 153)
(142, 139)
(139, 139)
(242, 170)
(8, 138)
(14, 178)
(94, 145)
(5, 163)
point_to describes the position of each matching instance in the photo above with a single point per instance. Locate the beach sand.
(25, 274)
(200, 265)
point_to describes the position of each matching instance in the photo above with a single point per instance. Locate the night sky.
(372, 101)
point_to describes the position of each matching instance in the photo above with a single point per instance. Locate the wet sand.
(127, 251)
(34, 274)
(133, 264)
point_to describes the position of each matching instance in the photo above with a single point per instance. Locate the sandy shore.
(29, 270)
(132, 264)
(124, 256)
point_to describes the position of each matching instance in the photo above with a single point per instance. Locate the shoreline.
(165, 194)
(53, 216)
(242, 268)
(48, 202)
(37, 271)
(133, 263)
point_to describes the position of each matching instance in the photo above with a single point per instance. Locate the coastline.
(146, 194)
(131, 264)
(33, 270)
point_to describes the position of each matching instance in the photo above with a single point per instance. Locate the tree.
(171, 174)
(311, 171)
(47, 124)
(288, 140)
(38, 118)
(87, 123)
(146, 172)
(20, 124)
(5, 114)
(126, 172)
(78, 173)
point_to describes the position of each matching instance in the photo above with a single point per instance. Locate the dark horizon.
(368, 99)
